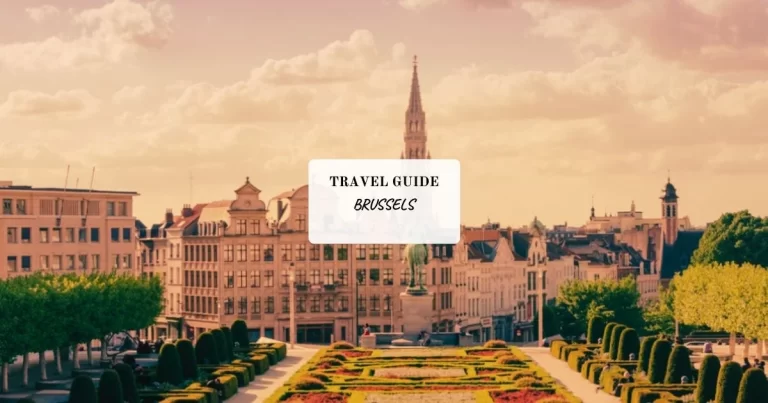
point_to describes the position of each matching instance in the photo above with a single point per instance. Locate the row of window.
(65, 207)
(66, 262)
(66, 235)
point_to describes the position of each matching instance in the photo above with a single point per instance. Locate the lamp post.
(292, 304)
(359, 277)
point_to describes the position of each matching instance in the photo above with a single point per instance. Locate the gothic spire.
(414, 102)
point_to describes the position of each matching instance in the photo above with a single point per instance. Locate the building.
(65, 230)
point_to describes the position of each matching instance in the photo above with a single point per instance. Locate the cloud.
(418, 4)
(42, 13)
(110, 34)
(72, 104)
(129, 94)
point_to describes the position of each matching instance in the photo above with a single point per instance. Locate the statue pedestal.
(417, 313)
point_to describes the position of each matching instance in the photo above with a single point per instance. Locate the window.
(21, 207)
(255, 252)
(12, 262)
(286, 252)
(387, 252)
(242, 306)
(229, 279)
(127, 232)
(374, 275)
(270, 308)
(314, 304)
(389, 277)
(255, 279)
(341, 252)
(361, 303)
(375, 303)
(314, 276)
(115, 261)
(328, 277)
(69, 235)
(269, 278)
(328, 304)
(229, 253)
(255, 227)
(242, 279)
(269, 254)
(57, 262)
(26, 263)
(240, 228)
(344, 277)
(70, 262)
(110, 209)
(314, 252)
(360, 276)
(8, 209)
(301, 252)
(56, 235)
(301, 304)
(122, 209)
(242, 253)
(13, 236)
(114, 234)
(82, 262)
(95, 262)
(327, 252)
(286, 304)
(374, 252)
(44, 236)
(360, 252)
(344, 304)
(387, 303)
(229, 306)
(95, 235)
(301, 277)
(302, 221)
(45, 262)
(256, 305)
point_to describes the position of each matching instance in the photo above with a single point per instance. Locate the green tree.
(187, 358)
(629, 344)
(221, 344)
(644, 357)
(657, 368)
(728, 381)
(83, 390)
(205, 349)
(169, 365)
(679, 365)
(753, 387)
(595, 329)
(607, 333)
(620, 298)
(240, 333)
(734, 238)
(128, 381)
(615, 339)
(707, 383)
(110, 388)
(659, 315)
(230, 342)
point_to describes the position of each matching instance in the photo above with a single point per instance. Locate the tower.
(415, 135)
(669, 210)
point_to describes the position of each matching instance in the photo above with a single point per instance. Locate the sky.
(548, 104)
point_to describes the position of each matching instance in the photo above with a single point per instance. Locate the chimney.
(168, 216)
(186, 211)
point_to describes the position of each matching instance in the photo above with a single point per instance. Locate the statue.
(415, 256)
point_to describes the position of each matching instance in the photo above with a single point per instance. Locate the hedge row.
(187, 369)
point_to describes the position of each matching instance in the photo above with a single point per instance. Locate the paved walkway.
(265, 385)
(582, 388)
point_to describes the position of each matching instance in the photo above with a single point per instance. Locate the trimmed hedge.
(753, 387)
(205, 349)
(240, 333)
(187, 357)
(110, 388)
(679, 365)
(615, 339)
(83, 390)
(644, 358)
(707, 384)
(555, 346)
(595, 329)
(607, 336)
(260, 363)
(230, 343)
(169, 365)
(221, 345)
(128, 380)
(657, 368)
(728, 381)
(629, 343)
(646, 392)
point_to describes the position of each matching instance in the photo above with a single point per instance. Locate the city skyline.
(546, 105)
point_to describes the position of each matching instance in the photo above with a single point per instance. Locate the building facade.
(65, 230)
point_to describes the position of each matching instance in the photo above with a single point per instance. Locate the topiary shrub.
(230, 344)
(595, 329)
(679, 365)
(645, 354)
(615, 339)
(187, 357)
(728, 380)
(495, 344)
(205, 349)
(240, 333)
(607, 332)
(321, 377)
(83, 390)
(657, 367)
(169, 365)
(221, 344)
(707, 383)
(502, 353)
(508, 360)
(309, 383)
(110, 388)
(337, 356)
(128, 380)
(629, 343)
(753, 387)
(342, 345)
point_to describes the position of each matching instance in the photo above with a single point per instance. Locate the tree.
(629, 344)
(645, 353)
(657, 368)
(551, 322)
(240, 333)
(187, 357)
(753, 387)
(607, 332)
(734, 238)
(615, 339)
(205, 349)
(110, 388)
(595, 329)
(728, 381)
(83, 390)
(707, 383)
(128, 381)
(221, 344)
(659, 315)
(230, 344)
(169, 365)
(679, 365)
(619, 298)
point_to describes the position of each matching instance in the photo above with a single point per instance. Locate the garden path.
(558, 369)
(265, 385)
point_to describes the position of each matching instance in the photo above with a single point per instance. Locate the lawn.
(494, 373)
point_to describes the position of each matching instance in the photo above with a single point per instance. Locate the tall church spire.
(415, 134)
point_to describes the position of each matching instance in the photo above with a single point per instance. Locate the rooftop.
(8, 185)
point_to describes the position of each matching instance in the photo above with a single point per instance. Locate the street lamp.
(360, 277)
(292, 305)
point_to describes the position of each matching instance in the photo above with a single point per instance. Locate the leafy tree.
(659, 315)
(584, 298)
(707, 384)
(657, 368)
(83, 390)
(169, 365)
(629, 344)
(679, 365)
(728, 381)
(240, 333)
(753, 387)
(645, 353)
(734, 238)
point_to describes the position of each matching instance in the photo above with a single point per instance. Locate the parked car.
(696, 346)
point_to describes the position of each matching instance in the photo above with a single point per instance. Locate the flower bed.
(427, 375)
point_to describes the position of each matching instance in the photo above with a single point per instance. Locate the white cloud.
(129, 94)
(42, 13)
(72, 104)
